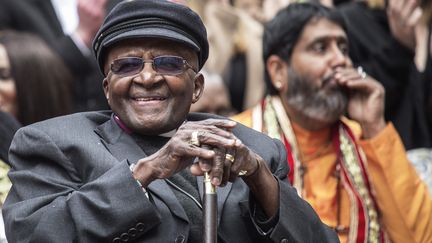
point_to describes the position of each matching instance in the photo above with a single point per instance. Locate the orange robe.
(404, 203)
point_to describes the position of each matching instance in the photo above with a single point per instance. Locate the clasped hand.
(205, 146)
(366, 99)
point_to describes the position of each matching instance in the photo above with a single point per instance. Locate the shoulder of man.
(69, 123)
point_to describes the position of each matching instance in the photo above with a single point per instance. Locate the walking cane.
(209, 201)
(209, 211)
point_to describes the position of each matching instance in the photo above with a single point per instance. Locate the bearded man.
(354, 172)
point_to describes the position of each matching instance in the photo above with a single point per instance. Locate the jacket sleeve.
(49, 202)
(403, 199)
(297, 222)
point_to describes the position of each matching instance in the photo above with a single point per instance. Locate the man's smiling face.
(148, 102)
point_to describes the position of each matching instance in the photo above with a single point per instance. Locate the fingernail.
(215, 181)
(206, 168)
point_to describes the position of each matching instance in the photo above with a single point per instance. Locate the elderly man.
(135, 173)
(312, 83)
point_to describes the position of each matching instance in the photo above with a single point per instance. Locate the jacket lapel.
(122, 146)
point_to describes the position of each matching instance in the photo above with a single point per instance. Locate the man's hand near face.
(366, 100)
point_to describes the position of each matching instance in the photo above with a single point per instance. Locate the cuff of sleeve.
(388, 133)
(131, 167)
(380, 147)
(262, 222)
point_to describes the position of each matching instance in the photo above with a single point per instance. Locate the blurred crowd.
(47, 68)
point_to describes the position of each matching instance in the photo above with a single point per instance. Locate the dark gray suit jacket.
(72, 183)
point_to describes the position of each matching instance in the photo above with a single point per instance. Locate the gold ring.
(229, 157)
(361, 72)
(194, 139)
(242, 172)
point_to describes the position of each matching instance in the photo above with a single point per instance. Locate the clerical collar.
(127, 130)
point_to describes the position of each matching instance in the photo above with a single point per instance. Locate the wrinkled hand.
(228, 163)
(216, 140)
(91, 14)
(403, 16)
(366, 100)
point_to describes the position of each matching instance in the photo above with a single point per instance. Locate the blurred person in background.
(235, 41)
(35, 83)
(382, 41)
(253, 8)
(215, 97)
(354, 172)
(271, 7)
(68, 27)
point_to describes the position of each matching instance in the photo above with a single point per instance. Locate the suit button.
(140, 227)
(180, 239)
(124, 237)
(132, 232)
(116, 240)
(284, 241)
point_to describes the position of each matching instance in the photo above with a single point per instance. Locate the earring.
(278, 85)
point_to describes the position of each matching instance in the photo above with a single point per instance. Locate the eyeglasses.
(165, 65)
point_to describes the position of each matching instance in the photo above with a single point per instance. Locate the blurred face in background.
(7, 85)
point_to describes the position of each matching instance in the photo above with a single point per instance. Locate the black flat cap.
(163, 19)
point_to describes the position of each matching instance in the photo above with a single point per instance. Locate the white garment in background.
(67, 14)
(421, 158)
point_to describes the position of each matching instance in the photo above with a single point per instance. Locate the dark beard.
(326, 104)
